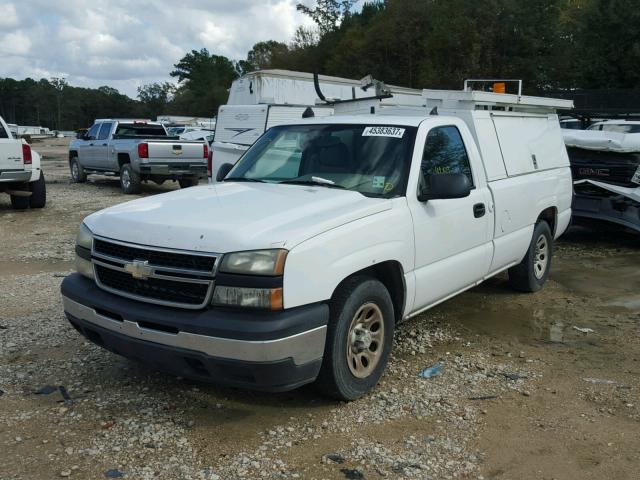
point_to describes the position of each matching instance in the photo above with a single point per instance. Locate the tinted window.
(444, 152)
(93, 132)
(140, 129)
(104, 131)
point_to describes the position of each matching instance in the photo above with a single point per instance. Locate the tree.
(204, 79)
(328, 13)
(156, 97)
(264, 55)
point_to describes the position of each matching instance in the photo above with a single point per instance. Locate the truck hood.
(233, 216)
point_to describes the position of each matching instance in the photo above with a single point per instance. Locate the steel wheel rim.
(126, 181)
(74, 170)
(365, 340)
(541, 259)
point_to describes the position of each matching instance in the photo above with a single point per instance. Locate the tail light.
(143, 150)
(26, 154)
(209, 163)
(205, 151)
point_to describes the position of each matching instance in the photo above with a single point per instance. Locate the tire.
(344, 374)
(188, 182)
(19, 203)
(129, 180)
(38, 198)
(533, 271)
(78, 175)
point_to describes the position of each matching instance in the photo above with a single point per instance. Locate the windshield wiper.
(319, 181)
(242, 179)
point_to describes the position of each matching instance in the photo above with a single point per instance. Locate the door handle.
(479, 210)
(104, 144)
(91, 144)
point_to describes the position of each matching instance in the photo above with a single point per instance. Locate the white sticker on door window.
(393, 132)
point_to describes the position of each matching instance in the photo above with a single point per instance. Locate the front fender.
(318, 265)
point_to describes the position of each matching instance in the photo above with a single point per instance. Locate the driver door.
(453, 242)
(85, 149)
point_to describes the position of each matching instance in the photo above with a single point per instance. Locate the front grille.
(154, 288)
(611, 167)
(155, 257)
(166, 277)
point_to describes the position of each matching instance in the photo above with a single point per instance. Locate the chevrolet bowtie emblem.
(139, 269)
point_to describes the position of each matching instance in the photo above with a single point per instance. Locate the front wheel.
(78, 175)
(533, 271)
(359, 339)
(130, 182)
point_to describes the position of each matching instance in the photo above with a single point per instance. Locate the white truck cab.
(297, 266)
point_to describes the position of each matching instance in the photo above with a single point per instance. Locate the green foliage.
(204, 79)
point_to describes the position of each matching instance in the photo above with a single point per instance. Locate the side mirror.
(224, 169)
(446, 185)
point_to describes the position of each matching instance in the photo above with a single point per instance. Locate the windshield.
(372, 160)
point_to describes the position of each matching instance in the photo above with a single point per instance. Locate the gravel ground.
(522, 393)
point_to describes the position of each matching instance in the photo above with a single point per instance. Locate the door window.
(3, 132)
(104, 131)
(444, 152)
(93, 132)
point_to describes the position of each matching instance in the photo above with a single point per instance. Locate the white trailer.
(263, 99)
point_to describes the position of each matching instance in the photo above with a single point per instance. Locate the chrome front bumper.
(302, 347)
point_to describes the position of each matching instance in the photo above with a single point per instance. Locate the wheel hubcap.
(365, 340)
(541, 259)
(74, 170)
(126, 181)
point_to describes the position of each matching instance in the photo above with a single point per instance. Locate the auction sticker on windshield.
(393, 132)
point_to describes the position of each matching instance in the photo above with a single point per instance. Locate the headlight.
(84, 242)
(266, 298)
(255, 262)
(85, 237)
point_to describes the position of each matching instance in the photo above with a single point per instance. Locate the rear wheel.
(533, 271)
(188, 182)
(19, 203)
(359, 339)
(38, 197)
(78, 175)
(129, 180)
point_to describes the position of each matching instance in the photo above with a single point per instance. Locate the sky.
(128, 43)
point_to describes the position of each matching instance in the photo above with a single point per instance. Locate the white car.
(297, 266)
(20, 173)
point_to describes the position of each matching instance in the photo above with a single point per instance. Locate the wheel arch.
(123, 158)
(549, 215)
(391, 274)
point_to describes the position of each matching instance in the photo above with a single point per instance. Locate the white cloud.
(125, 43)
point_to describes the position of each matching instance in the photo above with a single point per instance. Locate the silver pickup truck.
(137, 151)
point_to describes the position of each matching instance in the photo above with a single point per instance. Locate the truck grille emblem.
(139, 269)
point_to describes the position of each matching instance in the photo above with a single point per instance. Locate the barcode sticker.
(393, 132)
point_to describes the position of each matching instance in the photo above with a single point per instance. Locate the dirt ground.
(523, 393)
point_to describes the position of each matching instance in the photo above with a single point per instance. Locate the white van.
(298, 265)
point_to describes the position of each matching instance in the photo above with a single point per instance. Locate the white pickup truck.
(137, 151)
(20, 173)
(327, 233)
